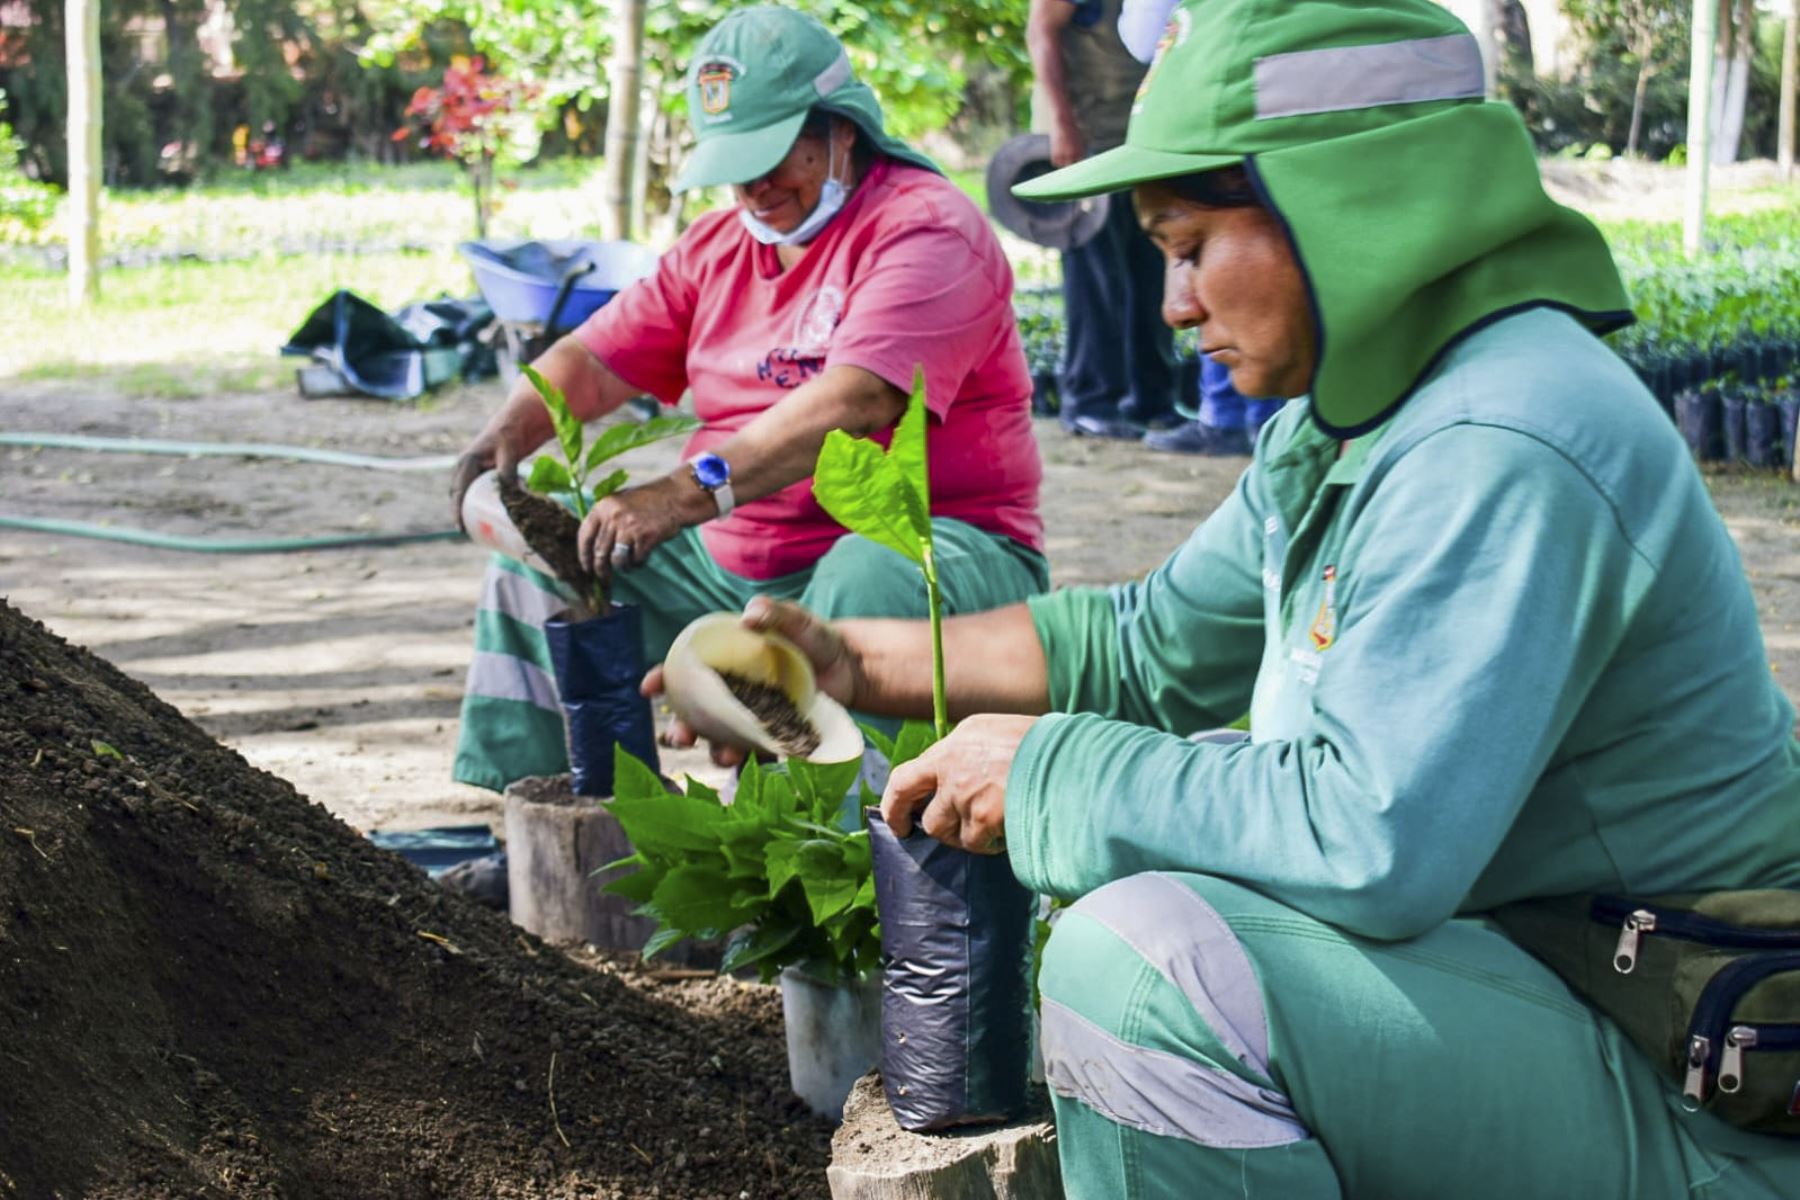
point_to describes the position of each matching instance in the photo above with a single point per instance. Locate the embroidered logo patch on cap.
(714, 80)
(1174, 33)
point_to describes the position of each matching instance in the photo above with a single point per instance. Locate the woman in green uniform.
(1493, 641)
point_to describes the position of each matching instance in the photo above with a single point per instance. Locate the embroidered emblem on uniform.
(715, 87)
(818, 320)
(1324, 626)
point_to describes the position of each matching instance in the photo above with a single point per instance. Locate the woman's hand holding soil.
(959, 784)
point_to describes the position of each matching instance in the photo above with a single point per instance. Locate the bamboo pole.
(1790, 43)
(83, 60)
(1699, 123)
(624, 75)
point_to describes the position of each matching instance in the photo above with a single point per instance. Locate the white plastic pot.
(698, 693)
(484, 518)
(833, 1037)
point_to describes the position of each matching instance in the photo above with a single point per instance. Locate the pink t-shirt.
(909, 272)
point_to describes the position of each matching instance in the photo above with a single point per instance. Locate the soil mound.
(209, 986)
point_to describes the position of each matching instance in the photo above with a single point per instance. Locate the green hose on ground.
(335, 458)
(165, 541)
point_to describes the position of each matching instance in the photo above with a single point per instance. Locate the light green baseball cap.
(752, 80)
(1413, 206)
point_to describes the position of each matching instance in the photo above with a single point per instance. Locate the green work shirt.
(1501, 647)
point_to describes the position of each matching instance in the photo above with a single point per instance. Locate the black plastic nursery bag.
(599, 663)
(956, 941)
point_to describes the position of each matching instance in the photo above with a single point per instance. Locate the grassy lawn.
(229, 268)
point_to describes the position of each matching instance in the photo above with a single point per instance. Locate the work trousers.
(512, 722)
(1201, 1040)
(1118, 354)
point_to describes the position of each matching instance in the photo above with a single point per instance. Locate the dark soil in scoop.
(770, 705)
(550, 529)
(211, 987)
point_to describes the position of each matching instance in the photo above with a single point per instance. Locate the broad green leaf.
(879, 740)
(639, 885)
(696, 900)
(618, 439)
(822, 787)
(633, 777)
(755, 945)
(907, 448)
(914, 738)
(829, 894)
(568, 428)
(783, 859)
(661, 940)
(603, 488)
(668, 822)
(548, 476)
(863, 490)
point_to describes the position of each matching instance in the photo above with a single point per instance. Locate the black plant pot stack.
(1732, 407)
(598, 664)
(1762, 434)
(1697, 414)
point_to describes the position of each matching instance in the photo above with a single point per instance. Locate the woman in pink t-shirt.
(847, 260)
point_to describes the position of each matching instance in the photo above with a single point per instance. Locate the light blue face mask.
(831, 199)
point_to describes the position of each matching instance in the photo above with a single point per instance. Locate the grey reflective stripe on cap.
(1158, 1092)
(504, 677)
(1192, 947)
(1412, 72)
(833, 77)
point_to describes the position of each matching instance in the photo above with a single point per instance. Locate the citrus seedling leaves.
(615, 440)
(864, 491)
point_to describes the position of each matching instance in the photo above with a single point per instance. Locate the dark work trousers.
(1118, 356)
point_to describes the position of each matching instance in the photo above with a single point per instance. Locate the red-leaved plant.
(478, 119)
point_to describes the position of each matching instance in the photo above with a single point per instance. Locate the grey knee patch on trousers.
(1158, 1092)
(1187, 942)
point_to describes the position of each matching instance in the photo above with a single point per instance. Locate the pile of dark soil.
(211, 987)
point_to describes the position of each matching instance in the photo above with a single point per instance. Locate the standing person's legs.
(1149, 342)
(512, 722)
(1092, 380)
(1203, 1040)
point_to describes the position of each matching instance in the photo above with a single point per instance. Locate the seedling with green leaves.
(572, 481)
(886, 497)
(775, 870)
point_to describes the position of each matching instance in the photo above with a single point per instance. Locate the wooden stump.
(872, 1158)
(555, 842)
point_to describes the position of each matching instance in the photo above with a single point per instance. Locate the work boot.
(1195, 438)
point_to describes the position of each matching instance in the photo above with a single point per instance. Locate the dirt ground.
(341, 670)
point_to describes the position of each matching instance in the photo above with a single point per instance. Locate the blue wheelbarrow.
(539, 290)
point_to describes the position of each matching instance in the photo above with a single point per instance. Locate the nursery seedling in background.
(571, 480)
(886, 497)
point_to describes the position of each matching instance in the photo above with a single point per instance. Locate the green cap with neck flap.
(1414, 207)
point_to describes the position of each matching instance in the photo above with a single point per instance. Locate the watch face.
(711, 471)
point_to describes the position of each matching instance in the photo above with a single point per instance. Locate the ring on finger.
(621, 552)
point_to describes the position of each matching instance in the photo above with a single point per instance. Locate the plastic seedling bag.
(1732, 406)
(598, 664)
(1697, 415)
(956, 940)
(1762, 434)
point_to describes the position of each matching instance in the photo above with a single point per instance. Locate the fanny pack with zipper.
(1706, 984)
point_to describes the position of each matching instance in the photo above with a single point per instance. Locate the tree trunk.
(1637, 106)
(1699, 126)
(1785, 138)
(1737, 44)
(625, 79)
(83, 43)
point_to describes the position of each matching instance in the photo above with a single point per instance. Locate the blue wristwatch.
(713, 474)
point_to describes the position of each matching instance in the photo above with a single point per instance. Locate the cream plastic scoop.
(700, 696)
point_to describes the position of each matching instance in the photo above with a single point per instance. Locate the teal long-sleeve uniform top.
(1501, 647)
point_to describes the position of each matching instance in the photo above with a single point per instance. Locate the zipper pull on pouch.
(1693, 1088)
(1637, 924)
(1731, 1068)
